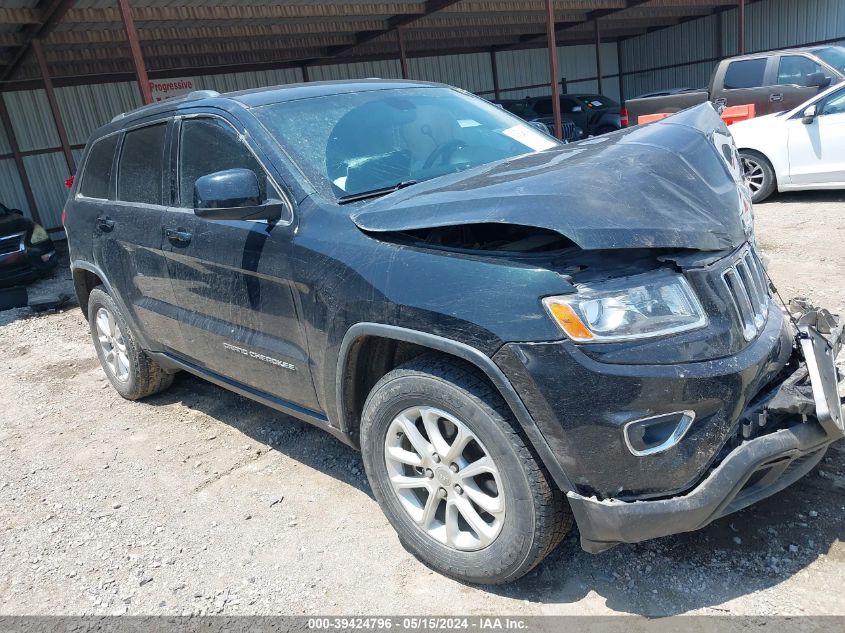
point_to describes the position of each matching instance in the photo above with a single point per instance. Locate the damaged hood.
(670, 184)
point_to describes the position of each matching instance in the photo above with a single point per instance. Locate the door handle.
(105, 223)
(178, 236)
(776, 97)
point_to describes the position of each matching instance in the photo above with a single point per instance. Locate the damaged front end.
(781, 435)
(672, 389)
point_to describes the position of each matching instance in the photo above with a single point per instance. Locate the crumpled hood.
(670, 184)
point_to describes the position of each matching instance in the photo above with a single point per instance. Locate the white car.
(802, 148)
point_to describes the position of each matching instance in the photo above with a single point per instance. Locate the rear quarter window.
(745, 73)
(98, 168)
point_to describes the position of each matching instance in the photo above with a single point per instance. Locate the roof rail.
(202, 94)
(192, 96)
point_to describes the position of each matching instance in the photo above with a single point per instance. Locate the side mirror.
(233, 194)
(818, 80)
(809, 115)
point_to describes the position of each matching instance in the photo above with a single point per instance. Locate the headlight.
(38, 235)
(636, 307)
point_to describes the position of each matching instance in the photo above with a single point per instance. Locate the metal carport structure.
(54, 44)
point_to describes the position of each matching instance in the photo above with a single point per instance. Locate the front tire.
(456, 478)
(759, 174)
(130, 371)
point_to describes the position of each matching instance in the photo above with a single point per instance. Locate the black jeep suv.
(515, 332)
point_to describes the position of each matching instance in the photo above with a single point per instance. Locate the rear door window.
(140, 173)
(745, 73)
(796, 70)
(206, 146)
(98, 168)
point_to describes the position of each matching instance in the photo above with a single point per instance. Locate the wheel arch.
(777, 169)
(86, 277)
(379, 348)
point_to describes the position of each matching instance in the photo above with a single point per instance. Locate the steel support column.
(597, 30)
(553, 78)
(740, 25)
(497, 93)
(620, 70)
(54, 104)
(16, 154)
(403, 60)
(135, 50)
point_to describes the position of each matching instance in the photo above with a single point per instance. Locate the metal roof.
(85, 38)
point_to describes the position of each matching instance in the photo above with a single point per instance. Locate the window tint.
(141, 165)
(208, 146)
(543, 107)
(95, 179)
(568, 106)
(835, 103)
(795, 70)
(747, 73)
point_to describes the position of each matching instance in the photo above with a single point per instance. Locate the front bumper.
(774, 439)
(755, 470)
(28, 263)
(582, 405)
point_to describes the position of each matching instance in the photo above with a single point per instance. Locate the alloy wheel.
(113, 344)
(445, 478)
(754, 175)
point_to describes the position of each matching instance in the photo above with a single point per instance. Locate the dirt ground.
(200, 501)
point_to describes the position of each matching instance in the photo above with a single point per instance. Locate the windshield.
(351, 143)
(832, 55)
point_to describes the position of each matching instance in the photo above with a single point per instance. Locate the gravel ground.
(199, 501)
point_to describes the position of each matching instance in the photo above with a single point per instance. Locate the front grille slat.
(11, 243)
(749, 294)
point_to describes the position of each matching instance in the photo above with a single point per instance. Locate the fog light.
(46, 257)
(657, 433)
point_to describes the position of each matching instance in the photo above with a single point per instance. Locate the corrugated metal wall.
(769, 24)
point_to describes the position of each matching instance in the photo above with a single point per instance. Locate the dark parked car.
(594, 114)
(26, 250)
(774, 81)
(513, 338)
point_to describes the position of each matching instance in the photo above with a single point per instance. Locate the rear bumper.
(756, 469)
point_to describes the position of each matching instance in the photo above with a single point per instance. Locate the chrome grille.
(570, 132)
(745, 282)
(11, 243)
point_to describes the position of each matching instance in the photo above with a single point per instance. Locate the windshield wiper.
(374, 193)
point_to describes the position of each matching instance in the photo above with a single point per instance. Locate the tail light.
(623, 117)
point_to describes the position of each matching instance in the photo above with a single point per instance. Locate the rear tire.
(759, 174)
(490, 527)
(130, 371)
